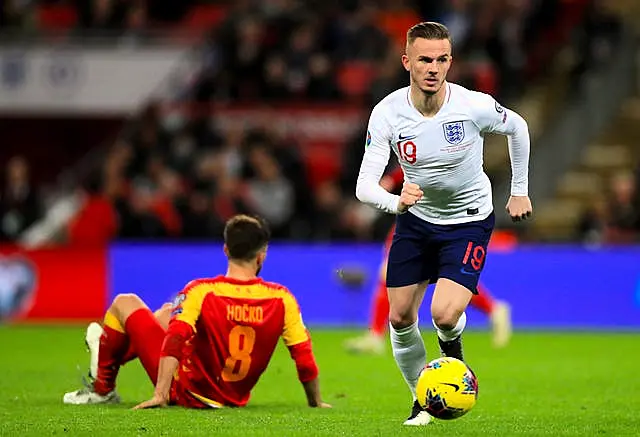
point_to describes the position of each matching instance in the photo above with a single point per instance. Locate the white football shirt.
(442, 154)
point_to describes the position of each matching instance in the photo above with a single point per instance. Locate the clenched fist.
(519, 208)
(409, 196)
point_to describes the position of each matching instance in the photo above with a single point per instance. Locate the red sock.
(380, 313)
(113, 346)
(483, 301)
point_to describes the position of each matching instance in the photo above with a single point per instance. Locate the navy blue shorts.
(423, 251)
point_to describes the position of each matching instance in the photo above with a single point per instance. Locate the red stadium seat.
(322, 162)
(56, 17)
(204, 17)
(354, 78)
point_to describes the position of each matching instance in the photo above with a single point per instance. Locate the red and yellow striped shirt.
(224, 332)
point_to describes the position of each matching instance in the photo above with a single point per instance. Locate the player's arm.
(184, 316)
(494, 118)
(375, 160)
(297, 339)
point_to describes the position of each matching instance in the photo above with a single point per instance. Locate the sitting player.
(219, 340)
(374, 340)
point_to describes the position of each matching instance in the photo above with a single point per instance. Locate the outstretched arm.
(307, 368)
(177, 335)
(297, 339)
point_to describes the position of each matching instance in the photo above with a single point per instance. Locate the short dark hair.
(428, 30)
(245, 236)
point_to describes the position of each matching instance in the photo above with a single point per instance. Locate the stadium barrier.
(62, 284)
(548, 287)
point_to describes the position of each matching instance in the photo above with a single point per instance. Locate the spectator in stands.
(593, 224)
(329, 222)
(361, 37)
(101, 15)
(137, 218)
(199, 220)
(19, 203)
(616, 217)
(596, 39)
(275, 86)
(624, 213)
(186, 180)
(16, 14)
(269, 194)
(321, 85)
(96, 222)
(228, 200)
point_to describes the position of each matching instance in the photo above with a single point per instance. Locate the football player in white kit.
(445, 211)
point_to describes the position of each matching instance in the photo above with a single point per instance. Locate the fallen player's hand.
(409, 196)
(519, 208)
(155, 402)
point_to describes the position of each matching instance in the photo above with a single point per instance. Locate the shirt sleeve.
(188, 304)
(184, 315)
(294, 331)
(375, 160)
(494, 118)
(298, 341)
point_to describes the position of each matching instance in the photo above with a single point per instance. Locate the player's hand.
(155, 402)
(409, 196)
(519, 208)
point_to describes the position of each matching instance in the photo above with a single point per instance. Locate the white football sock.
(453, 333)
(409, 353)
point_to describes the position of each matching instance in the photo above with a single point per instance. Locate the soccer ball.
(447, 388)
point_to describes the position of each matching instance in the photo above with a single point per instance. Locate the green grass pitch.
(542, 384)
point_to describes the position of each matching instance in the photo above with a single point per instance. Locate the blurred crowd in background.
(162, 181)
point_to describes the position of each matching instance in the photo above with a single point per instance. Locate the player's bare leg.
(499, 314)
(373, 341)
(501, 324)
(112, 348)
(449, 301)
(407, 343)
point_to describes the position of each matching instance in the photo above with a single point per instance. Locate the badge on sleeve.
(177, 302)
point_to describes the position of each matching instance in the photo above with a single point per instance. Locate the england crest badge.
(454, 132)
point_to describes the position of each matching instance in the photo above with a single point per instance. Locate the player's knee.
(445, 318)
(402, 319)
(164, 310)
(127, 301)
(163, 315)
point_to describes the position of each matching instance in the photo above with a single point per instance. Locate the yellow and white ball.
(447, 388)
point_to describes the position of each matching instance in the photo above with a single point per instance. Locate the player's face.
(428, 61)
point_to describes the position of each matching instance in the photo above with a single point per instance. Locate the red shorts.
(147, 335)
